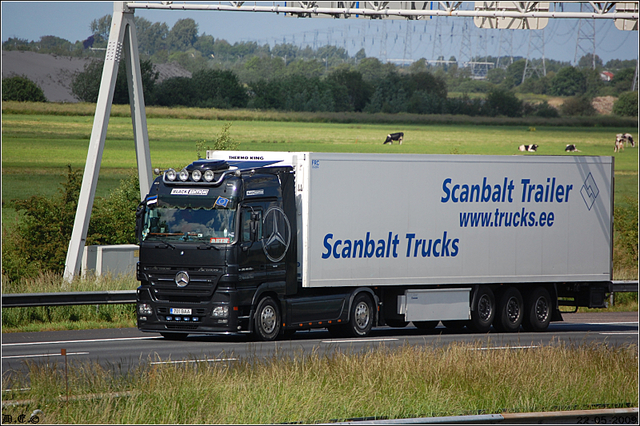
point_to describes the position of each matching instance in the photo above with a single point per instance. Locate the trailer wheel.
(537, 312)
(483, 311)
(362, 316)
(510, 311)
(267, 319)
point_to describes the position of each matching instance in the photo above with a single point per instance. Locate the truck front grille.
(201, 286)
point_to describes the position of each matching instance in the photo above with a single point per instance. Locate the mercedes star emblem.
(182, 279)
(277, 235)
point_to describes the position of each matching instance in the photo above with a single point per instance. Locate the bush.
(543, 109)
(223, 142)
(578, 105)
(626, 105)
(40, 240)
(503, 102)
(175, 91)
(85, 85)
(21, 89)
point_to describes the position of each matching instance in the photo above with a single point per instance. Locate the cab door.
(252, 259)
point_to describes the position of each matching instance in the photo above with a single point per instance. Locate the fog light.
(145, 309)
(184, 175)
(208, 175)
(196, 175)
(220, 312)
(170, 174)
(142, 318)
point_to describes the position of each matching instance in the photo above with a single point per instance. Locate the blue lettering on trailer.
(388, 247)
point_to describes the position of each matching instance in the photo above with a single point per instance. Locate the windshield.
(212, 225)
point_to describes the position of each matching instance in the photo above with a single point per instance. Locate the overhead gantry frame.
(123, 43)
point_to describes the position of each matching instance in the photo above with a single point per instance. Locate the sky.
(564, 39)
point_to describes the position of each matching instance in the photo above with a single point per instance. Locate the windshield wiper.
(166, 245)
(207, 246)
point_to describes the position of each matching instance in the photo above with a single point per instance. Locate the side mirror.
(139, 219)
(255, 217)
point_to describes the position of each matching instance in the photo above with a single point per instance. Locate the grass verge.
(380, 383)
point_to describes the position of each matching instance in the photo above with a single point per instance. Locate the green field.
(37, 148)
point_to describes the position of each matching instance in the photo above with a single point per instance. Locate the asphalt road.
(127, 348)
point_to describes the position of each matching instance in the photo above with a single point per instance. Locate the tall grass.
(73, 317)
(383, 383)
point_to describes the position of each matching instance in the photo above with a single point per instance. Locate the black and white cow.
(622, 140)
(529, 148)
(571, 148)
(394, 137)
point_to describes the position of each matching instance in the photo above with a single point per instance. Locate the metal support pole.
(136, 101)
(122, 35)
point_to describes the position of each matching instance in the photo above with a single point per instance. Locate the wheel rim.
(362, 315)
(513, 310)
(268, 319)
(484, 308)
(542, 309)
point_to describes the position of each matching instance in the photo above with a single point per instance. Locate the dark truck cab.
(218, 253)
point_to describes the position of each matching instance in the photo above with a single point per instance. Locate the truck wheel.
(426, 325)
(537, 311)
(510, 311)
(483, 311)
(267, 319)
(362, 316)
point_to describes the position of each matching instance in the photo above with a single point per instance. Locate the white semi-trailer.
(274, 242)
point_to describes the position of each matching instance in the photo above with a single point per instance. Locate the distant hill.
(54, 73)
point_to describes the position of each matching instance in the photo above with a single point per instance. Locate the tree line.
(288, 77)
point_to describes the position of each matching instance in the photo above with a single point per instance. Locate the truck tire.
(361, 316)
(510, 311)
(537, 311)
(268, 322)
(483, 311)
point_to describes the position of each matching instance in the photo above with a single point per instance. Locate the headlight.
(208, 175)
(170, 174)
(220, 312)
(184, 175)
(196, 175)
(145, 309)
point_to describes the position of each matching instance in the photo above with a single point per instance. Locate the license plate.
(180, 311)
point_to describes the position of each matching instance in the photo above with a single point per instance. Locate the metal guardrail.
(73, 298)
(624, 286)
(18, 300)
(600, 416)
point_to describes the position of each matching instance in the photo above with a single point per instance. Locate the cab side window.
(246, 224)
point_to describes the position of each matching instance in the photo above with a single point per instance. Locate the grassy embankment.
(406, 382)
(39, 140)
